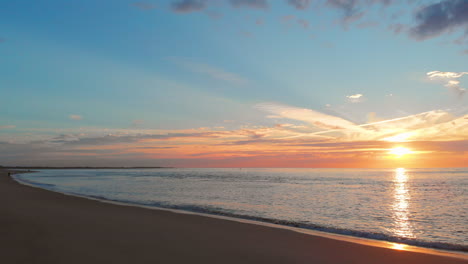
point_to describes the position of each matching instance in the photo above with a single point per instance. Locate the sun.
(400, 151)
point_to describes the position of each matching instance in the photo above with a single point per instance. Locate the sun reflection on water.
(401, 203)
(399, 246)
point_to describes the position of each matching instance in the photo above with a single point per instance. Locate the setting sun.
(400, 151)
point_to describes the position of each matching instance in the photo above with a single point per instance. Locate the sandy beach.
(38, 226)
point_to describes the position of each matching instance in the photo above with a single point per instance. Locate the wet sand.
(38, 226)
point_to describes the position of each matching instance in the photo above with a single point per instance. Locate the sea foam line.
(458, 248)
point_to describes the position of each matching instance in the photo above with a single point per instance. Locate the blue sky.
(98, 68)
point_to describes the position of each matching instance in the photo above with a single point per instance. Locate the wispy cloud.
(437, 124)
(258, 4)
(188, 6)
(300, 4)
(450, 79)
(315, 139)
(315, 118)
(7, 126)
(213, 72)
(75, 117)
(350, 9)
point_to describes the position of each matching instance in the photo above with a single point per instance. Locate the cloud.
(258, 4)
(432, 125)
(188, 6)
(213, 72)
(315, 118)
(350, 9)
(7, 126)
(439, 18)
(450, 79)
(144, 5)
(326, 139)
(75, 117)
(449, 75)
(73, 139)
(355, 98)
(300, 4)
(347, 5)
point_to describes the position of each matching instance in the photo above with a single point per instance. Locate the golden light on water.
(400, 151)
(399, 246)
(401, 204)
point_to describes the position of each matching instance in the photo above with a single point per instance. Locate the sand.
(38, 226)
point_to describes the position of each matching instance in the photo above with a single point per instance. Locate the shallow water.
(425, 207)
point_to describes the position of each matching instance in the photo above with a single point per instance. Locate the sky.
(234, 83)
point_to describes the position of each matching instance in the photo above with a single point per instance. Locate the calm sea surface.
(425, 207)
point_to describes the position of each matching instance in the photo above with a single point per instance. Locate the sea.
(420, 207)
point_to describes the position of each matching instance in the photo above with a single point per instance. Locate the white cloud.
(450, 75)
(438, 124)
(75, 117)
(315, 118)
(355, 98)
(450, 79)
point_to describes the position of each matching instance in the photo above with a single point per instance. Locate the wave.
(282, 222)
(47, 186)
(309, 226)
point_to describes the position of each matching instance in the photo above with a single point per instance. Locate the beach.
(39, 226)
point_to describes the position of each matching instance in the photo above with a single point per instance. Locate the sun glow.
(400, 151)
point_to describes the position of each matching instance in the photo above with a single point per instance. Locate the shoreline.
(271, 223)
(234, 244)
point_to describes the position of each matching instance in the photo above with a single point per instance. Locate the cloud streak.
(315, 118)
(188, 6)
(257, 4)
(299, 4)
(450, 79)
(437, 124)
(75, 117)
(318, 140)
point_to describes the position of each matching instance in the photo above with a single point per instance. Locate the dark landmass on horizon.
(76, 167)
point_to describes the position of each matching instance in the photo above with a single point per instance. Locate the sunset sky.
(234, 83)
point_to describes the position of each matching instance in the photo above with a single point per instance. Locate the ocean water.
(423, 207)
